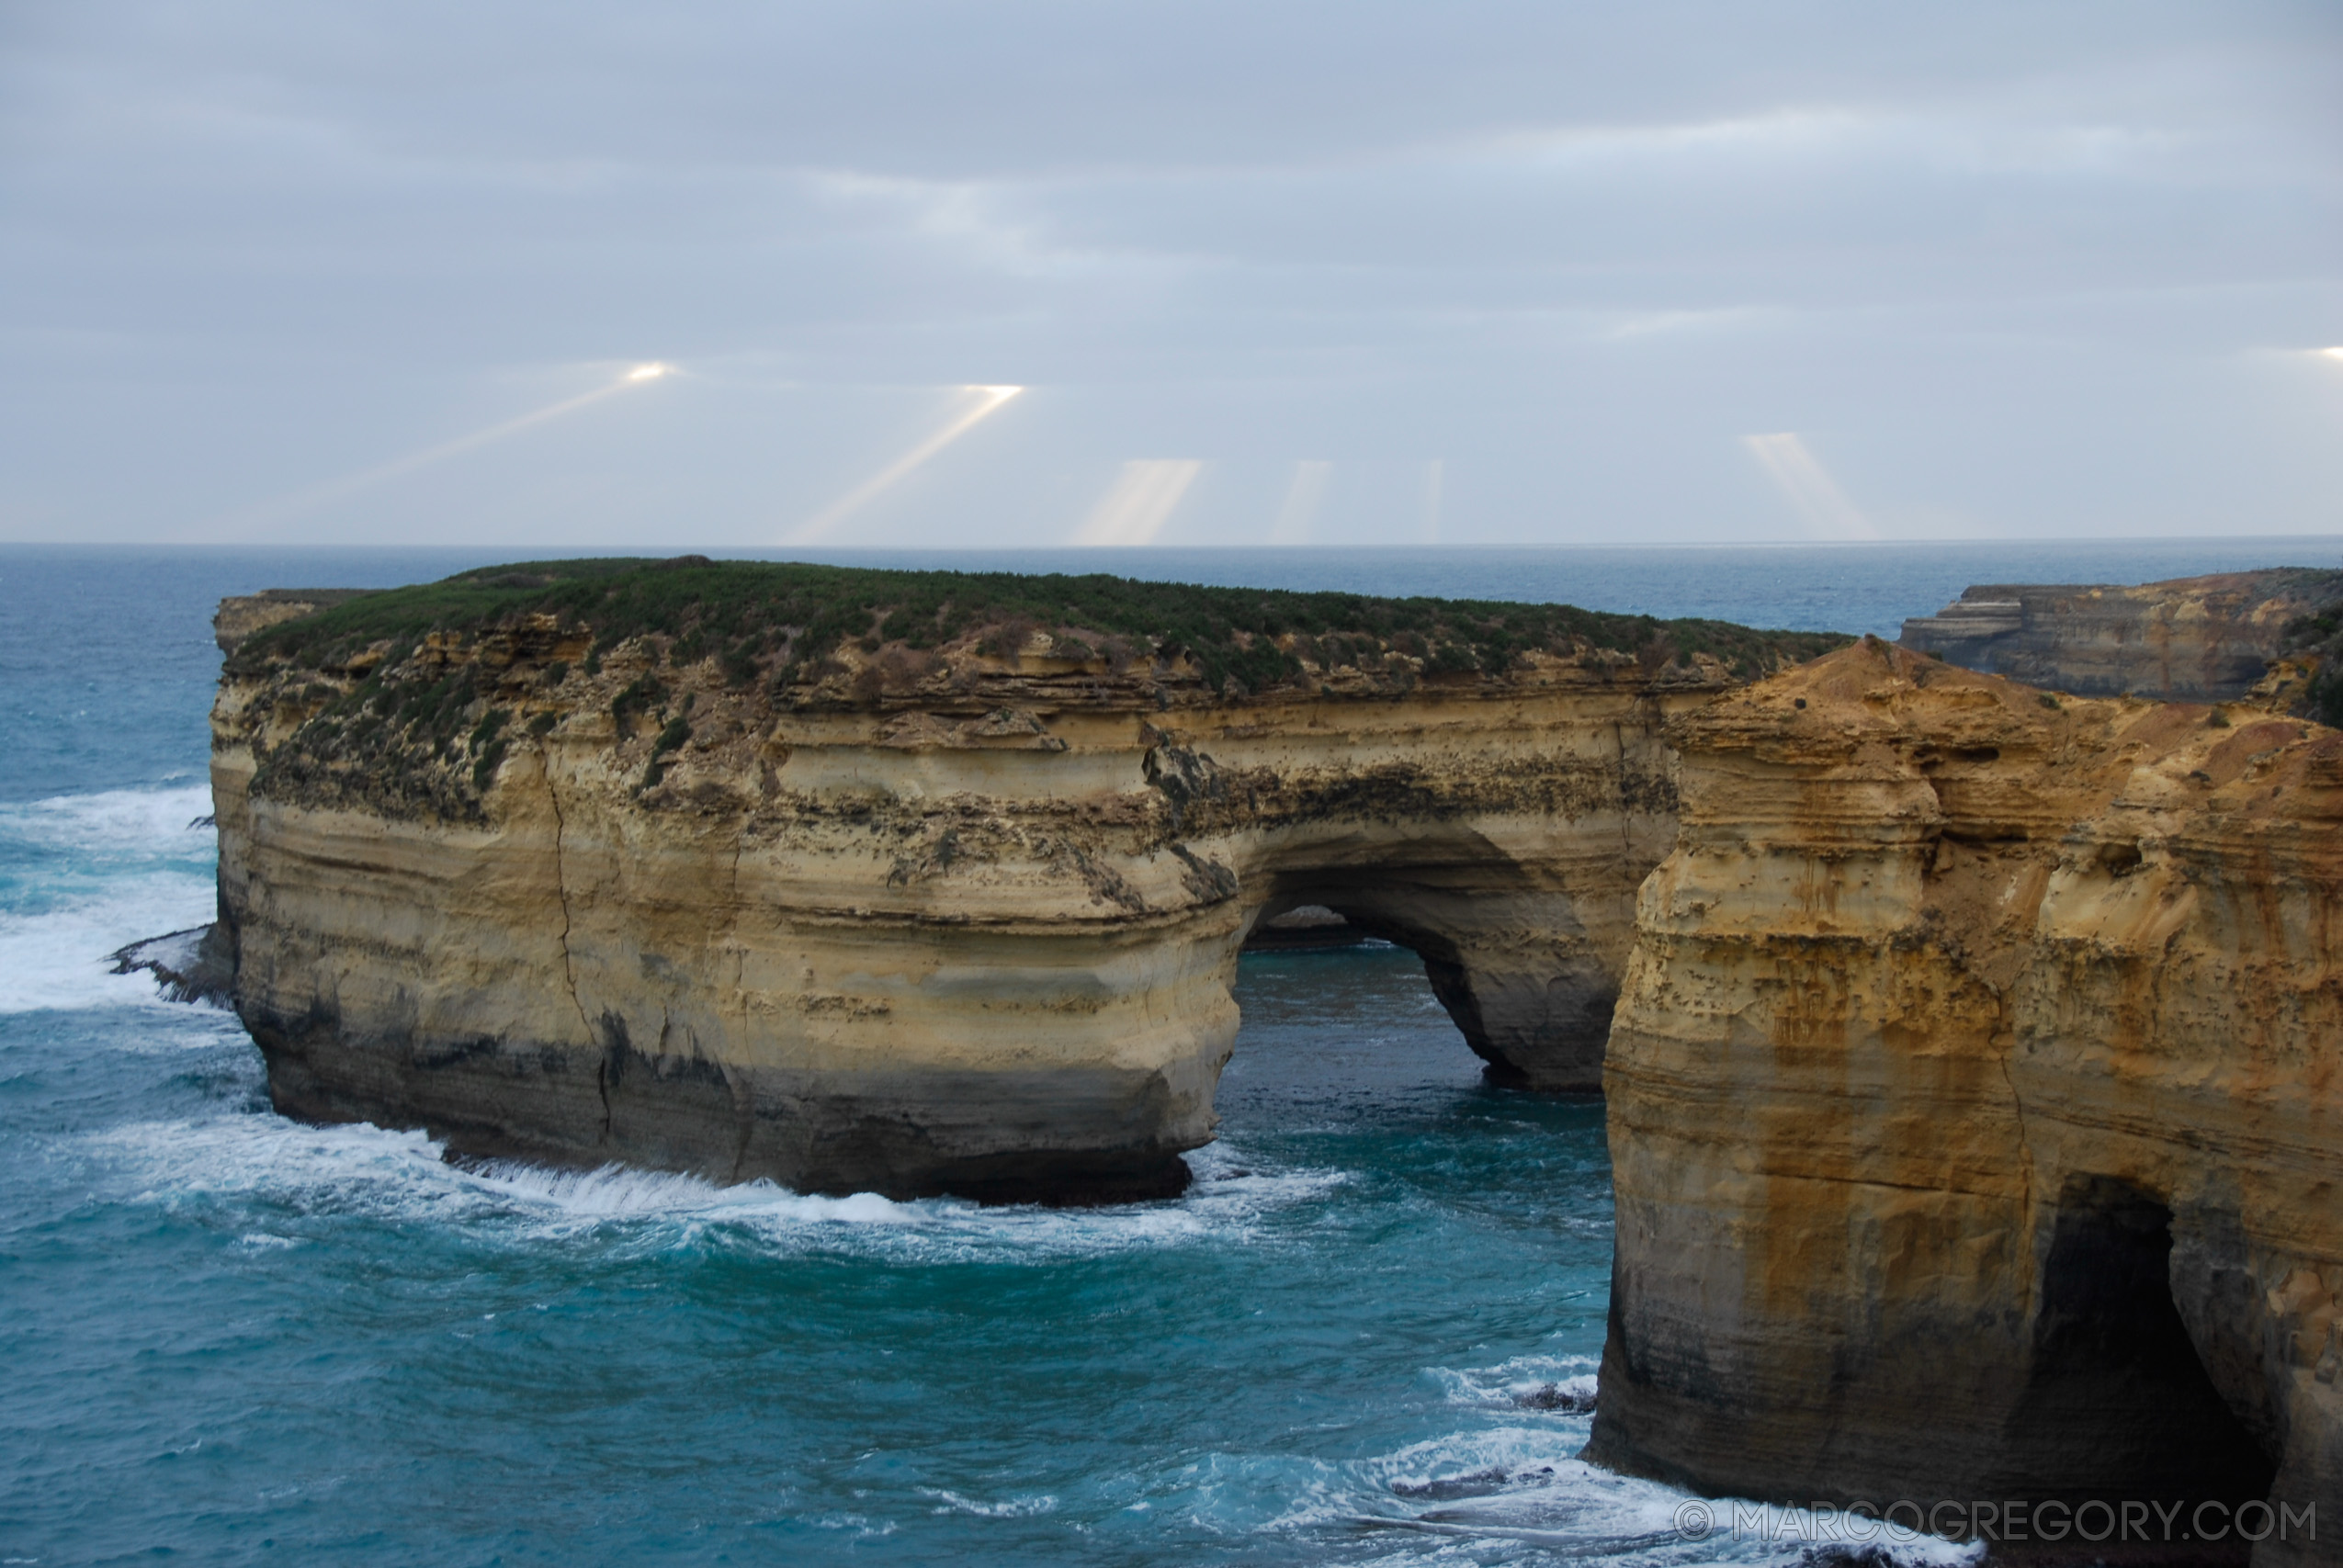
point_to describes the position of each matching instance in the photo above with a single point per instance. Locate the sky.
(1214, 272)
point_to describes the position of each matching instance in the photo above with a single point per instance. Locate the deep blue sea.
(227, 1338)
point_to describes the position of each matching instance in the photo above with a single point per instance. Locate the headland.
(911, 882)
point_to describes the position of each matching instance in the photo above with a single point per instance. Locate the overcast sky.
(1476, 271)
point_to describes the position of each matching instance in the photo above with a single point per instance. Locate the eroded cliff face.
(2193, 639)
(964, 919)
(1976, 1099)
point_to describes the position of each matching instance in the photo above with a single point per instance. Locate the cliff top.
(2311, 585)
(407, 701)
(1873, 708)
(782, 623)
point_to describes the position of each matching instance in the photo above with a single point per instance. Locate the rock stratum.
(1976, 1103)
(911, 883)
(2188, 639)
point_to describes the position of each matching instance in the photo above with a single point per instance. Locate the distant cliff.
(911, 882)
(2194, 638)
(1975, 1095)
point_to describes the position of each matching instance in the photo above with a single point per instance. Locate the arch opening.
(1515, 967)
(2118, 1390)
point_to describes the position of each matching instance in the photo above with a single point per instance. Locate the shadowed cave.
(2118, 1393)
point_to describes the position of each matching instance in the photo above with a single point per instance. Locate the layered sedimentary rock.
(962, 918)
(2193, 639)
(1975, 1100)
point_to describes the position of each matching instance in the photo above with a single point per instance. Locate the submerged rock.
(1479, 1483)
(1573, 1401)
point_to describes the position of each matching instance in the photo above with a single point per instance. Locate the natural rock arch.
(912, 953)
(1514, 965)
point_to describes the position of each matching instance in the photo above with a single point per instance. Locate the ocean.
(232, 1339)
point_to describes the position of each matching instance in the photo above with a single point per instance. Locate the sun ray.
(988, 400)
(1142, 499)
(349, 484)
(1808, 487)
(1303, 499)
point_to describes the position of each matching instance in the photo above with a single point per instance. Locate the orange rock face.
(1977, 1104)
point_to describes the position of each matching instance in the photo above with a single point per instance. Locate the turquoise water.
(232, 1339)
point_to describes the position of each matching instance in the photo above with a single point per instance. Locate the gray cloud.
(2000, 269)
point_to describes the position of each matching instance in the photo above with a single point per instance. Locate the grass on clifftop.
(778, 620)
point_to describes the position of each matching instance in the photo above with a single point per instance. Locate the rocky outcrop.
(881, 916)
(240, 616)
(1973, 1098)
(2193, 639)
(191, 965)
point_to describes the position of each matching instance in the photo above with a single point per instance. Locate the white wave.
(1011, 1508)
(396, 1176)
(1512, 1450)
(861, 1525)
(1524, 1483)
(116, 821)
(1512, 1380)
(105, 871)
(623, 1192)
(61, 956)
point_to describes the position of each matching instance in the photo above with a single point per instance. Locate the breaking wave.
(402, 1178)
(83, 876)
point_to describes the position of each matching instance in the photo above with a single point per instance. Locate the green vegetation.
(781, 621)
(642, 693)
(678, 731)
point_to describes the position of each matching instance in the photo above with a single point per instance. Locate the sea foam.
(82, 876)
(402, 1178)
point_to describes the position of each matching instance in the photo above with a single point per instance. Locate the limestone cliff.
(2193, 639)
(898, 880)
(1976, 1099)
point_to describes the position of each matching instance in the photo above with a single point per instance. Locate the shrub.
(484, 766)
(645, 691)
(793, 617)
